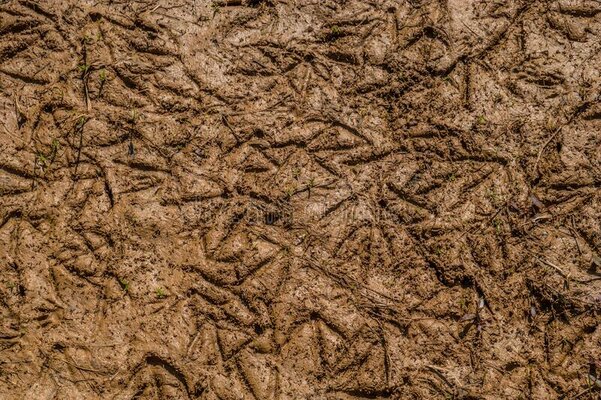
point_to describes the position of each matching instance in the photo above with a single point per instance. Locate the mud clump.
(300, 199)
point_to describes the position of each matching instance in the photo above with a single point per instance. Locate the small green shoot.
(42, 160)
(83, 68)
(494, 197)
(102, 75)
(134, 116)
(215, 7)
(80, 122)
(463, 304)
(124, 284)
(498, 225)
(45, 160)
(296, 173)
(160, 293)
(333, 34)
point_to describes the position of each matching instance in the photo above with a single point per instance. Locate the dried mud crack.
(287, 199)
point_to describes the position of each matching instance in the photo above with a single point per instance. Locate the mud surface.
(300, 199)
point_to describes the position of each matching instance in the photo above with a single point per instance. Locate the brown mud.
(289, 199)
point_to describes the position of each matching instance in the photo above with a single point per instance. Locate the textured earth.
(300, 199)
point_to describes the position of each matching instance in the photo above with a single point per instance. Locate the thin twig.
(79, 127)
(540, 153)
(550, 264)
(82, 368)
(227, 124)
(574, 234)
(84, 77)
